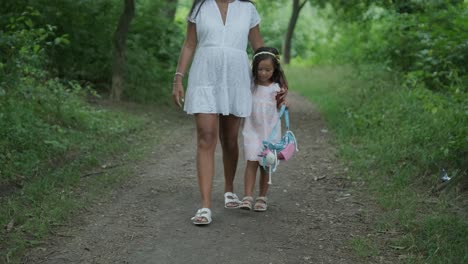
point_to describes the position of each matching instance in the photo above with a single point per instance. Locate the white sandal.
(202, 217)
(231, 198)
(261, 204)
(246, 203)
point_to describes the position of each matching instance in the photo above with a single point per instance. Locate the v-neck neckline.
(225, 20)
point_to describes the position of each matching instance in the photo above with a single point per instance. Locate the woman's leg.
(207, 132)
(228, 134)
(250, 177)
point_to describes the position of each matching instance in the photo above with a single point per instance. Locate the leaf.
(36, 48)
(29, 23)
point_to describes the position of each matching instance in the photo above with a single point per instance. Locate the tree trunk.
(120, 45)
(170, 9)
(297, 6)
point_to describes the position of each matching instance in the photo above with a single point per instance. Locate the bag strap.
(285, 112)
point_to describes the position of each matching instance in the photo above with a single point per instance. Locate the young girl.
(269, 80)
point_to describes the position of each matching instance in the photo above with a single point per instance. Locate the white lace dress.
(258, 126)
(219, 79)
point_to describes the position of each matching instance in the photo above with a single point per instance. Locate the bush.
(39, 114)
(153, 50)
(430, 47)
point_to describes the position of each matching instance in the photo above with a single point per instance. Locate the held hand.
(281, 96)
(285, 103)
(178, 94)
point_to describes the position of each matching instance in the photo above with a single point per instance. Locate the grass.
(397, 140)
(364, 247)
(94, 163)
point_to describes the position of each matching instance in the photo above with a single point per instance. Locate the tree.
(297, 6)
(120, 44)
(170, 9)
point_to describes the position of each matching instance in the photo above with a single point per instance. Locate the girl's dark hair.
(196, 2)
(278, 73)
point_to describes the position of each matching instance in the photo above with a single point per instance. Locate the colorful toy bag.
(273, 152)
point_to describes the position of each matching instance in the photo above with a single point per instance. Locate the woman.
(218, 92)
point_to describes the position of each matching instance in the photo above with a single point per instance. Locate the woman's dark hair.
(201, 2)
(278, 73)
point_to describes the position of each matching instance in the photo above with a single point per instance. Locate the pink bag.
(273, 152)
(287, 152)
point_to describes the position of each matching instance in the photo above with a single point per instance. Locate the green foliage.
(428, 48)
(405, 118)
(41, 116)
(86, 53)
(397, 140)
(275, 18)
(153, 48)
(431, 47)
(433, 137)
(444, 237)
(80, 46)
(424, 40)
(48, 134)
(39, 112)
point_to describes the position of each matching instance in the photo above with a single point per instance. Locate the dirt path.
(147, 220)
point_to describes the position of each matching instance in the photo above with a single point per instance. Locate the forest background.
(390, 77)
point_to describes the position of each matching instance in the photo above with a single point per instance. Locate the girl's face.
(265, 71)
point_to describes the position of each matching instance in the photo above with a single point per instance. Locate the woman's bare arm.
(255, 38)
(186, 54)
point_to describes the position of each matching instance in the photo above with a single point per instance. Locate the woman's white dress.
(219, 79)
(259, 125)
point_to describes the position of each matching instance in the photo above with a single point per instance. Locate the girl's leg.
(263, 184)
(207, 128)
(228, 134)
(249, 177)
(249, 184)
(261, 201)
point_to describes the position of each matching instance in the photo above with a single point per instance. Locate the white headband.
(267, 52)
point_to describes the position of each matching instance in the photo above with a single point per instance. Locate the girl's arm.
(186, 53)
(255, 38)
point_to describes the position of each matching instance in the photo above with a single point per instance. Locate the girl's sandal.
(202, 217)
(246, 203)
(231, 201)
(260, 204)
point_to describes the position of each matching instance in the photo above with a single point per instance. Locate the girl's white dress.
(258, 126)
(219, 78)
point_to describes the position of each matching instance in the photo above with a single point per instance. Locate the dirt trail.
(147, 219)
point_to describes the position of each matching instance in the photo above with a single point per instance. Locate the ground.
(315, 210)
